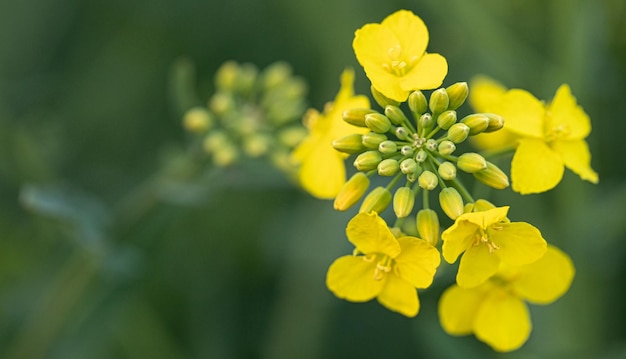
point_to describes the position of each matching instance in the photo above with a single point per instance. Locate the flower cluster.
(416, 141)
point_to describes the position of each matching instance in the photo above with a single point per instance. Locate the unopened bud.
(367, 161)
(428, 180)
(431, 144)
(372, 140)
(451, 202)
(382, 100)
(458, 132)
(446, 119)
(225, 155)
(351, 192)
(349, 144)
(256, 145)
(402, 133)
(377, 122)
(356, 116)
(496, 122)
(428, 226)
(439, 101)
(446, 147)
(457, 93)
(403, 201)
(421, 156)
(387, 147)
(197, 120)
(276, 74)
(471, 162)
(418, 103)
(388, 167)
(425, 122)
(226, 76)
(395, 115)
(408, 166)
(221, 103)
(492, 176)
(447, 170)
(376, 201)
(214, 140)
(482, 205)
(406, 150)
(477, 123)
(246, 78)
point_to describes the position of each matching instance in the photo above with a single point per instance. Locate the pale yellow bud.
(197, 120)
(351, 192)
(356, 116)
(447, 170)
(387, 147)
(477, 123)
(457, 93)
(446, 147)
(403, 201)
(439, 101)
(428, 226)
(446, 119)
(226, 76)
(418, 103)
(451, 202)
(482, 205)
(376, 201)
(367, 161)
(395, 115)
(349, 144)
(496, 122)
(388, 167)
(372, 140)
(471, 162)
(458, 132)
(492, 176)
(377, 122)
(428, 180)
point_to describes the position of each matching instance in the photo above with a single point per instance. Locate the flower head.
(495, 311)
(393, 54)
(383, 266)
(322, 171)
(489, 239)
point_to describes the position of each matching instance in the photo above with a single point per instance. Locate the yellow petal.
(519, 243)
(547, 279)
(485, 93)
(494, 140)
(457, 238)
(399, 296)
(418, 261)
(476, 266)
(345, 100)
(369, 234)
(535, 167)
(428, 73)
(565, 114)
(502, 322)
(484, 219)
(410, 31)
(577, 158)
(523, 113)
(352, 278)
(458, 308)
(323, 172)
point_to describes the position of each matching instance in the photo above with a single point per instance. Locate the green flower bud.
(408, 166)
(256, 145)
(275, 74)
(376, 201)
(446, 147)
(226, 76)
(221, 103)
(403, 201)
(225, 155)
(367, 161)
(428, 180)
(356, 116)
(381, 100)
(471, 162)
(458, 132)
(402, 133)
(428, 226)
(197, 120)
(388, 167)
(492, 176)
(439, 101)
(372, 140)
(349, 144)
(418, 103)
(406, 150)
(387, 147)
(446, 119)
(431, 144)
(451, 202)
(421, 156)
(425, 123)
(377, 122)
(496, 122)
(351, 192)
(457, 93)
(246, 78)
(214, 140)
(482, 205)
(477, 123)
(447, 170)
(395, 115)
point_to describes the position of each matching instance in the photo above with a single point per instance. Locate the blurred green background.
(101, 256)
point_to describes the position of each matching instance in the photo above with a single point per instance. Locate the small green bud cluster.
(251, 114)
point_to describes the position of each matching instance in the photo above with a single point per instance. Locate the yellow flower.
(393, 54)
(383, 266)
(549, 137)
(489, 239)
(495, 311)
(322, 171)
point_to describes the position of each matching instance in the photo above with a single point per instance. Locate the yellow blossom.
(383, 266)
(496, 311)
(488, 240)
(393, 54)
(322, 171)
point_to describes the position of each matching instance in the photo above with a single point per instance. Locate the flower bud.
(221, 103)
(447, 170)
(225, 155)
(372, 140)
(428, 180)
(428, 226)
(395, 115)
(352, 191)
(408, 166)
(446, 147)
(431, 144)
(275, 75)
(402, 133)
(349, 144)
(382, 100)
(214, 140)
(388, 167)
(226, 76)
(418, 103)
(421, 156)
(458, 132)
(425, 123)
(457, 93)
(356, 116)
(387, 147)
(406, 150)
(471, 162)
(482, 205)
(256, 145)
(367, 161)
(477, 123)
(403, 201)
(377, 122)
(246, 78)
(451, 202)
(439, 101)
(492, 176)
(496, 122)
(197, 120)
(376, 201)
(446, 119)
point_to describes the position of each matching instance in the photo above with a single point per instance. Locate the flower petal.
(484, 219)
(457, 238)
(547, 279)
(399, 296)
(502, 321)
(410, 31)
(352, 278)
(535, 167)
(476, 266)
(519, 243)
(418, 261)
(323, 173)
(485, 93)
(458, 308)
(564, 113)
(428, 73)
(369, 234)
(577, 158)
(523, 113)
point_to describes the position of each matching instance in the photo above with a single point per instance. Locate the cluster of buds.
(422, 148)
(251, 114)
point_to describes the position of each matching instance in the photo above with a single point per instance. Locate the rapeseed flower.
(393, 55)
(383, 266)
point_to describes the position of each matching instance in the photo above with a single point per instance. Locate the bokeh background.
(102, 255)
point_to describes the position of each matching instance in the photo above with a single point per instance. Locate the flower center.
(384, 264)
(397, 64)
(483, 238)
